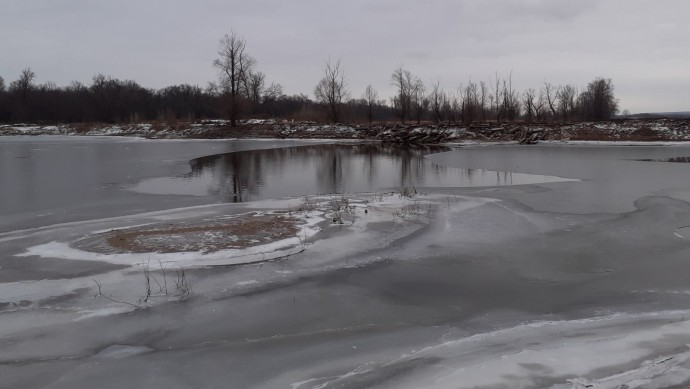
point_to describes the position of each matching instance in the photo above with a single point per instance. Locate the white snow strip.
(244, 283)
(586, 353)
(664, 371)
(89, 313)
(591, 345)
(62, 250)
(120, 229)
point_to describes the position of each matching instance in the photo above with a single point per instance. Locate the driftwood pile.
(434, 134)
(392, 133)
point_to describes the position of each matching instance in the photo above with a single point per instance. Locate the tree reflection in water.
(672, 159)
(334, 168)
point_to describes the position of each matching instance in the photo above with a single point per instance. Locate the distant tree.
(567, 96)
(76, 103)
(332, 90)
(101, 90)
(420, 102)
(404, 81)
(598, 102)
(483, 97)
(370, 97)
(510, 102)
(271, 99)
(25, 81)
(181, 102)
(497, 96)
(470, 97)
(539, 106)
(5, 111)
(212, 89)
(447, 107)
(253, 85)
(551, 93)
(117, 101)
(456, 106)
(272, 92)
(234, 65)
(436, 100)
(529, 102)
(23, 86)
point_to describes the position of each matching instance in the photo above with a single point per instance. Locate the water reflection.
(672, 159)
(244, 176)
(315, 169)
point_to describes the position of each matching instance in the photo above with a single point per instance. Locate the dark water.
(672, 159)
(331, 168)
(50, 179)
(47, 180)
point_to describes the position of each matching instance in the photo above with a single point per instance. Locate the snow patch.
(118, 351)
(245, 283)
(89, 313)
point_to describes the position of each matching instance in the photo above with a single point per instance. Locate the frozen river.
(531, 266)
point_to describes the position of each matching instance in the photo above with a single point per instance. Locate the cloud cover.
(641, 45)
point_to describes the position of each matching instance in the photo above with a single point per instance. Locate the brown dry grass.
(235, 233)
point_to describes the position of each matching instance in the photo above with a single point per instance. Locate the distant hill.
(657, 115)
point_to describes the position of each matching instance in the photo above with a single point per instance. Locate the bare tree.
(529, 98)
(539, 107)
(566, 101)
(420, 103)
(533, 104)
(234, 65)
(551, 93)
(497, 95)
(2, 84)
(447, 106)
(483, 96)
(510, 103)
(254, 86)
(25, 81)
(23, 85)
(273, 92)
(370, 97)
(436, 100)
(404, 81)
(470, 97)
(212, 89)
(455, 105)
(331, 90)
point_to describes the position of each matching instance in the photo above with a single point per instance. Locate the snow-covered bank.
(643, 130)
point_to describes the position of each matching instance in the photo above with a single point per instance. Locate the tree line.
(242, 91)
(110, 100)
(498, 100)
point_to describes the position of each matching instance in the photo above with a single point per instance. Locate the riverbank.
(638, 130)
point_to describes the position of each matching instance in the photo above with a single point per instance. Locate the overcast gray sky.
(641, 44)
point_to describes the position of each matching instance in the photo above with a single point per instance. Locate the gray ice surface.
(554, 285)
